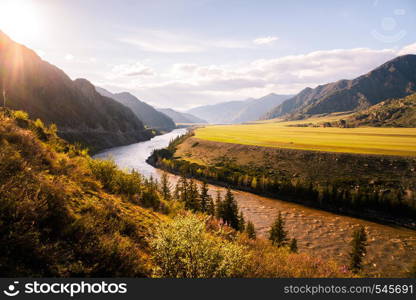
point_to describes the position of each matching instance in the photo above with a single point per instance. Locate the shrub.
(20, 115)
(184, 249)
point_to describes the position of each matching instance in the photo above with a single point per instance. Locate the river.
(391, 249)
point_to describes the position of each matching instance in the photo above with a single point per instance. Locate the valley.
(319, 233)
(181, 145)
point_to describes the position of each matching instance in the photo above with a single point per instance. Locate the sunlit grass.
(387, 141)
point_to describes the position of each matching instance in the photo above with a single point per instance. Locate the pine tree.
(210, 206)
(358, 251)
(278, 235)
(251, 232)
(294, 246)
(165, 186)
(218, 205)
(230, 211)
(192, 201)
(203, 197)
(241, 222)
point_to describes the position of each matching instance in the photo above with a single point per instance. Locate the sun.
(19, 20)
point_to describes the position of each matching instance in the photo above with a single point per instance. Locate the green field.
(369, 140)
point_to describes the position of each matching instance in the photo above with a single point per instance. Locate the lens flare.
(19, 19)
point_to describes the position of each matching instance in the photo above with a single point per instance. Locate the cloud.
(265, 40)
(136, 69)
(69, 57)
(185, 85)
(409, 49)
(160, 41)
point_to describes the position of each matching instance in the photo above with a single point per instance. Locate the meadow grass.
(365, 140)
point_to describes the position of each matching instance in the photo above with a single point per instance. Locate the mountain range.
(232, 112)
(181, 117)
(145, 112)
(393, 79)
(82, 115)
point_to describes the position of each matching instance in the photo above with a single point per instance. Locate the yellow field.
(370, 140)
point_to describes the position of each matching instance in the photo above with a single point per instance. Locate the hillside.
(394, 79)
(390, 113)
(46, 92)
(237, 111)
(181, 117)
(58, 220)
(145, 112)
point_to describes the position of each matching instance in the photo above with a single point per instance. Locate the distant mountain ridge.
(46, 92)
(181, 117)
(393, 79)
(145, 112)
(238, 111)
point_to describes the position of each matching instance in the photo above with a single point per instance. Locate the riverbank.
(377, 188)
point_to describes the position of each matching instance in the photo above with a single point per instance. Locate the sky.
(186, 53)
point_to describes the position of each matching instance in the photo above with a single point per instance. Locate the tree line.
(335, 194)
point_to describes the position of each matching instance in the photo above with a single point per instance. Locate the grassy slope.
(56, 218)
(387, 141)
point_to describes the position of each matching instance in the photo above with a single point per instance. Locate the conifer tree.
(218, 205)
(165, 186)
(278, 235)
(192, 201)
(210, 206)
(251, 232)
(358, 251)
(230, 211)
(204, 197)
(241, 222)
(293, 246)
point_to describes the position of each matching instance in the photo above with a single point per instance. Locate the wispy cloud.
(265, 40)
(169, 42)
(136, 69)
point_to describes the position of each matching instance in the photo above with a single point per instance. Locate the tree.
(293, 246)
(241, 222)
(251, 232)
(218, 205)
(210, 206)
(165, 186)
(358, 251)
(278, 235)
(229, 213)
(192, 201)
(254, 183)
(182, 186)
(204, 197)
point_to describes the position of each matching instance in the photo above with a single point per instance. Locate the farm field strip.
(368, 140)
